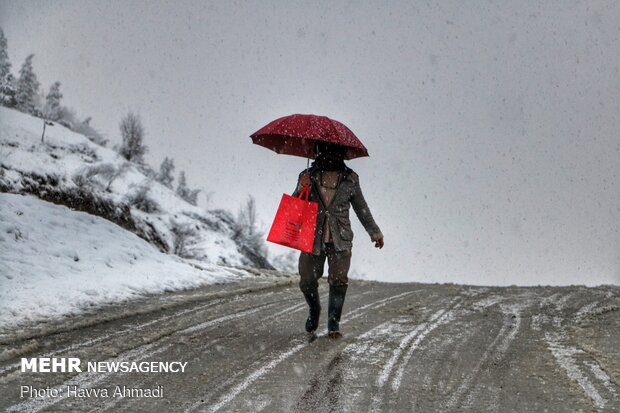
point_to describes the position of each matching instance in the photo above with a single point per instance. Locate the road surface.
(406, 347)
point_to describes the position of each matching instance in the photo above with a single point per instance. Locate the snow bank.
(29, 165)
(55, 261)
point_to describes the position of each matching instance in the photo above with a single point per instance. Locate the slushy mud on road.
(406, 347)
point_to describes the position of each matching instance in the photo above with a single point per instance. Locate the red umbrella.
(297, 134)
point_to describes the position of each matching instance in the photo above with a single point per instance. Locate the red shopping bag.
(295, 222)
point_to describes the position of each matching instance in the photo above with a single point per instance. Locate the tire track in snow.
(130, 330)
(602, 376)
(90, 379)
(409, 344)
(513, 316)
(343, 364)
(398, 376)
(497, 349)
(328, 386)
(370, 345)
(567, 357)
(106, 337)
(260, 372)
(289, 310)
(564, 358)
(219, 320)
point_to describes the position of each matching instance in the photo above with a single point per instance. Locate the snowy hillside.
(57, 261)
(66, 168)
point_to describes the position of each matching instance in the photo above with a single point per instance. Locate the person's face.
(330, 153)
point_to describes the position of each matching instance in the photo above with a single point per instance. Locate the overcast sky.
(492, 127)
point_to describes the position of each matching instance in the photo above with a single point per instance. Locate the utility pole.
(45, 123)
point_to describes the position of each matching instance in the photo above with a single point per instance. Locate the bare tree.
(246, 217)
(132, 132)
(184, 235)
(246, 230)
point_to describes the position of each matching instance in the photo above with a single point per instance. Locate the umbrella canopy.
(297, 134)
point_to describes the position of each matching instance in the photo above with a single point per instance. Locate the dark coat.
(348, 193)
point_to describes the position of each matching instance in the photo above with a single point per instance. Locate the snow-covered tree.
(132, 132)
(166, 169)
(5, 64)
(27, 87)
(8, 91)
(184, 192)
(53, 110)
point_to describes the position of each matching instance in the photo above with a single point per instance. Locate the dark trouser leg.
(339, 264)
(310, 270)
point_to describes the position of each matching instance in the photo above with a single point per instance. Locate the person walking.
(335, 187)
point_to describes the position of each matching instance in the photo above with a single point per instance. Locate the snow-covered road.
(407, 347)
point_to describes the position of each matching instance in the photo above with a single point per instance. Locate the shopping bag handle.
(304, 192)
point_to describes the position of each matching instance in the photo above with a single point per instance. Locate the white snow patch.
(585, 311)
(56, 261)
(564, 357)
(601, 375)
(557, 300)
(487, 302)
(537, 320)
(511, 312)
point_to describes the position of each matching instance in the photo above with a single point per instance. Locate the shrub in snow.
(141, 199)
(100, 175)
(184, 192)
(132, 132)
(183, 235)
(66, 123)
(8, 91)
(69, 119)
(86, 152)
(147, 171)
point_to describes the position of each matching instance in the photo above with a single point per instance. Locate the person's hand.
(304, 180)
(379, 243)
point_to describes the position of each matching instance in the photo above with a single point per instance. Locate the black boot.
(312, 298)
(336, 301)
